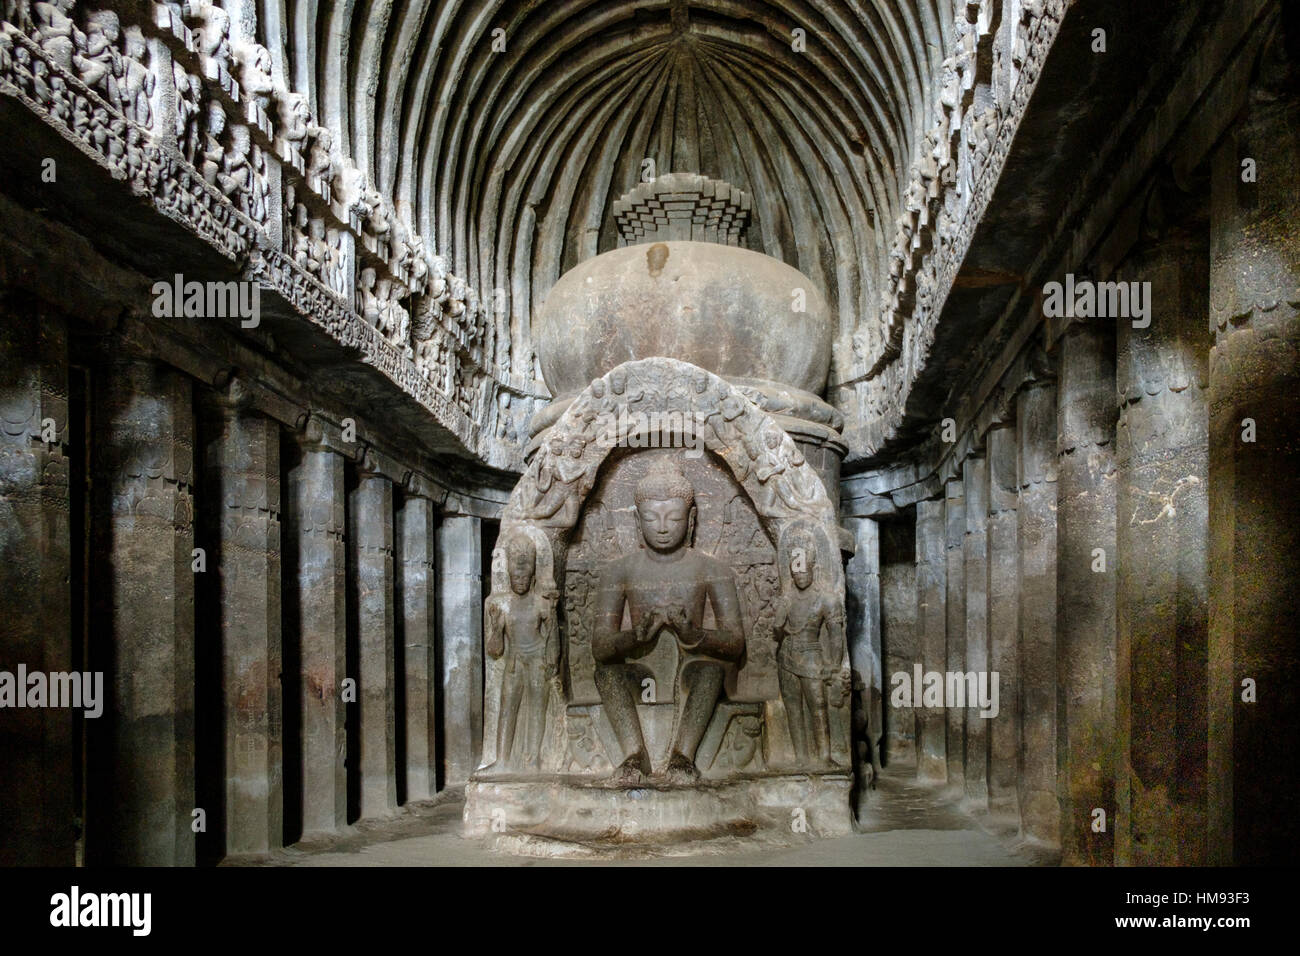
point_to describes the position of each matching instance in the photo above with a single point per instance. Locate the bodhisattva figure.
(664, 586)
(801, 618)
(521, 626)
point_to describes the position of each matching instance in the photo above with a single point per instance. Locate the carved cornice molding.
(946, 199)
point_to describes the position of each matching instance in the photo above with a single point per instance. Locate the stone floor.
(907, 825)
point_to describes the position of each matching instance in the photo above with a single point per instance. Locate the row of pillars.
(1122, 550)
(264, 651)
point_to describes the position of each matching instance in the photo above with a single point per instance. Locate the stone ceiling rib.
(509, 161)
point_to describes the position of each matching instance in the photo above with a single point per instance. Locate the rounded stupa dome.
(725, 309)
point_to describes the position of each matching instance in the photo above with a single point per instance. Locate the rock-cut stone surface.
(737, 313)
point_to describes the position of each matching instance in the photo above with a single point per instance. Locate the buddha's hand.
(680, 622)
(648, 628)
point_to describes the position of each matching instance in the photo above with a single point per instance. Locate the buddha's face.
(520, 565)
(664, 523)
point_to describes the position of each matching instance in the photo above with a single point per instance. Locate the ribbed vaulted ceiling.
(509, 161)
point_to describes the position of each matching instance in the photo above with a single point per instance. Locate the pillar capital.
(419, 485)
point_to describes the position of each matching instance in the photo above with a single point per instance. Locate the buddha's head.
(521, 563)
(665, 507)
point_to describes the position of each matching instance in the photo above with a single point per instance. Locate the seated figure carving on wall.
(664, 587)
(691, 647)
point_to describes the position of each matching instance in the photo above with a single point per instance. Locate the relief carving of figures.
(294, 124)
(450, 369)
(57, 33)
(741, 743)
(376, 217)
(321, 168)
(255, 72)
(99, 60)
(214, 153)
(394, 322)
(563, 479)
(236, 172)
(6, 49)
(505, 425)
(415, 263)
(189, 97)
(454, 305)
(520, 630)
(793, 488)
(19, 13)
(429, 356)
(809, 627)
(705, 615)
(585, 753)
(214, 35)
(664, 588)
(302, 251)
(439, 288)
(338, 276)
(368, 301)
(138, 82)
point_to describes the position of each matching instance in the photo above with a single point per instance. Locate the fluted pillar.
(1036, 532)
(460, 635)
(370, 530)
(241, 470)
(1085, 589)
(36, 788)
(418, 583)
(141, 755)
(317, 522)
(1254, 485)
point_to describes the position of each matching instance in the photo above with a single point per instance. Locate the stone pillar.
(317, 522)
(142, 753)
(36, 788)
(899, 646)
(932, 627)
(415, 545)
(370, 532)
(1162, 459)
(1254, 488)
(955, 608)
(1085, 590)
(862, 610)
(975, 481)
(1003, 623)
(241, 466)
(1036, 531)
(460, 633)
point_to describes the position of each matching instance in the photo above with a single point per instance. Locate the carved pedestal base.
(566, 816)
